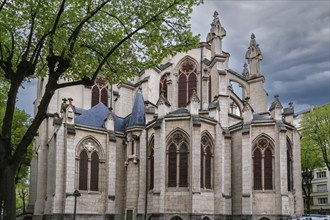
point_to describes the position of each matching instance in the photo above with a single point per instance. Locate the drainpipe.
(201, 81)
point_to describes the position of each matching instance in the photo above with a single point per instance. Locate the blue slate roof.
(120, 123)
(79, 111)
(137, 117)
(260, 117)
(94, 116)
(179, 111)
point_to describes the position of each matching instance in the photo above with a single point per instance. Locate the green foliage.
(311, 156)
(161, 35)
(314, 148)
(75, 40)
(316, 133)
(20, 124)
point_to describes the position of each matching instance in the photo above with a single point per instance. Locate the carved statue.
(253, 55)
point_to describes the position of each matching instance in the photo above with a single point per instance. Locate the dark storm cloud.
(293, 37)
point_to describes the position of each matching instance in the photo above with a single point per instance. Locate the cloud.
(293, 37)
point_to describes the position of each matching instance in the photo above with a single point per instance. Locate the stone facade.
(156, 159)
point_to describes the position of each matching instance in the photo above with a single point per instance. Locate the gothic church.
(176, 143)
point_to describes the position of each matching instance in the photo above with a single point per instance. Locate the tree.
(316, 131)
(21, 123)
(311, 159)
(70, 42)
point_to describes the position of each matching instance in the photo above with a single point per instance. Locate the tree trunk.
(8, 191)
(307, 177)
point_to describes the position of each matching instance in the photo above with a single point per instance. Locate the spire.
(254, 56)
(276, 104)
(215, 35)
(138, 114)
(247, 111)
(276, 109)
(245, 71)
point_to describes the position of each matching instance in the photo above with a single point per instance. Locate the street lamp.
(76, 194)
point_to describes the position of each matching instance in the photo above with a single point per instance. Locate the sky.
(293, 37)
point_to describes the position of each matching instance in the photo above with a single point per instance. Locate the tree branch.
(39, 117)
(115, 17)
(9, 113)
(75, 33)
(37, 51)
(128, 36)
(24, 56)
(2, 4)
(100, 54)
(52, 32)
(84, 81)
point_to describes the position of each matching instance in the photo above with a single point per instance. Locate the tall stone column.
(42, 165)
(195, 167)
(160, 155)
(247, 172)
(41, 182)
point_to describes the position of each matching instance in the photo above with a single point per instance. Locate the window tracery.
(206, 163)
(100, 91)
(89, 166)
(263, 161)
(178, 161)
(187, 82)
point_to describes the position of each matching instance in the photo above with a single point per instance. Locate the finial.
(254, 56)
(245, 65)
(216, 29)
(276, 96)
(215, 15)
(245, 71)
(70, 100)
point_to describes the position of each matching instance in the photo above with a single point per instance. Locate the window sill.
(90, 192)
(177, 189)
(264, 191)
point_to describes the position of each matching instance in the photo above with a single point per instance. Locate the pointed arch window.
(95, 172)
(257, 169)
(178, 161)
(100, 91)
(187, 82)
(289, 166)
(172, 166)
(183, 178)
(163, 85)
(263, 161)
(151, 164)
(83, 170)
(89, 166)
(206, 163)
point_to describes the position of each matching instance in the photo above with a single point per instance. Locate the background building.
(176, 142)
(320, 183)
